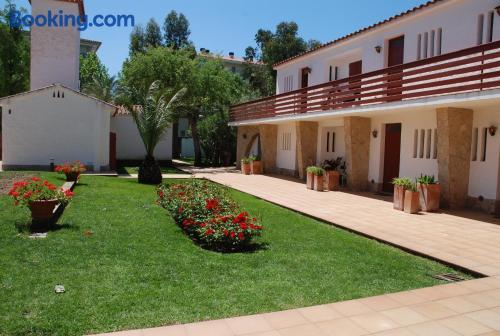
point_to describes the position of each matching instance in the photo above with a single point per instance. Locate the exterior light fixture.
(492, 129)
(308, 69)
(378, 49)
(497, 9)
(375, 133)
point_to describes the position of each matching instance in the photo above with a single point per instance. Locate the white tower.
(55, 51)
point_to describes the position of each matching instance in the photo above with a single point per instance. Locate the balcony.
(468, 70)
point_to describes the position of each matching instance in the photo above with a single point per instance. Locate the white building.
(416, 93)
(54, 122)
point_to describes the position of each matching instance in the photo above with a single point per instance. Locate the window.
(435, 149)
(439, 41)
(484, 143)
(415, 144)
(432, 42)
(428, 144)
(425, 144)
(475, 138)
(480, 27)
(419, 46)
(330, 142)
(288, 83)
(429, 43)
(286, 141)
(426, 44)
(421, 144)
(491, 19)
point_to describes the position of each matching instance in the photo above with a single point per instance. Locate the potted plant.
(412, 201)
(255, 165)
(72, 170)
(400, 185)
(430, 193)
(331, 168)
(245, 166)
(315, 174)
(40, 196)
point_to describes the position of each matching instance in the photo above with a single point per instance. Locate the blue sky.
(230, 25)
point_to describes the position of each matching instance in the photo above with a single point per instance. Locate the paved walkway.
(467, 239)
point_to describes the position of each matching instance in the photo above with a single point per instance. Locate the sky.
(230, 25)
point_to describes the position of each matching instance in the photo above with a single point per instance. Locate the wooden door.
(112, 151)
(304, 77)
(355, 68)
(392, 152)
(395, 57)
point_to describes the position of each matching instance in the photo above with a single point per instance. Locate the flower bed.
(208, 215)
(72, 170)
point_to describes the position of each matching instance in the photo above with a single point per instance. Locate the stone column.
(307, 144)
(357, 148)
(246, 136)
(454, 130)
(269, 146)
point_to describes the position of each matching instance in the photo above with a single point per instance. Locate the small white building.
(54, 122)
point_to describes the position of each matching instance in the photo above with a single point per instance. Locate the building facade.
(415, 94)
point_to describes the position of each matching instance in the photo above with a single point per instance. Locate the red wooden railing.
(466, 70)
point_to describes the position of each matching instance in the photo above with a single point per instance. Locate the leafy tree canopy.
(176, 28)
(153, 36)
(137, 40)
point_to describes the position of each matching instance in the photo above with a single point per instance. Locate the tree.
(137, 40)
(14, 55)
(153, 36)
(176, 29)
(217, 139)
(103, 88)
(313, 44)
(250, 54)
(92, 70)
(152, 121)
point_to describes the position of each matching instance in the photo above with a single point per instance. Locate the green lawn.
(132, 167)
(138, 269)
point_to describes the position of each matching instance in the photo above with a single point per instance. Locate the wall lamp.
(378, 48)
(497, 9)
(375, 133)
(492, 130)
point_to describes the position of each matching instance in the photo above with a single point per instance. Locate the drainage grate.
(449, 277)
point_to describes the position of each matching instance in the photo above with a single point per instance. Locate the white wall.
(41, 127)
(286, 151)
(483, 179)
(332, 125)
(129, 145)
(457, 18)
(55, 51)
(424, 119)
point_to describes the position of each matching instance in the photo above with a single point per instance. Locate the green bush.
(315, 170)
(426, 179)
(404, 182)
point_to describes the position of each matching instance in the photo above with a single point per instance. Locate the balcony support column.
(307, 144)
(454, 130)
(245, 138)
(269, 145)
(357, 145)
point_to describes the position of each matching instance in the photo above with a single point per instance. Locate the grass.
(132, 167)
(139, 270)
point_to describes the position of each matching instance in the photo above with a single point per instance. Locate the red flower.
(161, 194)
(232, 235)
(211, 204)
(243, 226)
(240, 218)
(241, 236)
(68, 193)
(209, 232)
(35, 179)
(226, 232)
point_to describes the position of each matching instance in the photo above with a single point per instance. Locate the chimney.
(202, 50)
(231, 54)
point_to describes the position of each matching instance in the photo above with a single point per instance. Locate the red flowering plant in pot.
(40, 196)
(72, 170)
(209, 216)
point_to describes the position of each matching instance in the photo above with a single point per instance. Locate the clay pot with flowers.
(245, 166)
(72, 170)
(315, 178)
(412, 201)
(332, 173)
(430, 193)
(40, 196)
(401, 184)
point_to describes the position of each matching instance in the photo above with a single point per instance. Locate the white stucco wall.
(41, 127)
(286, 151)
(332, 125)
(55, 51)
(129, 145)
(458, 20)
(483, 179)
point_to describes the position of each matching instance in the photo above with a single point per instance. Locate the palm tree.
(152, 120)
(102, 87)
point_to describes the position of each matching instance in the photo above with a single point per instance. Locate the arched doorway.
(253, 147)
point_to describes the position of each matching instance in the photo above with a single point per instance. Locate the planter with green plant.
(245, 166)
(400, 185)
(430, 193)
(332, 172)
(71, 170)
(315, 178)
(255, 165)
(412, 201)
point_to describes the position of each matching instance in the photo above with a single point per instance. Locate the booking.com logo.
(59, 19)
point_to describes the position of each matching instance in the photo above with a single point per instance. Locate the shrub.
(426, 179)
(245, 160)
(330, 165)
(71, 167)
(208, 215)
(254, 158)
(318, 171)
(404, 182)
(36, 189)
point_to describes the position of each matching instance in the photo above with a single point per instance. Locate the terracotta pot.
(245, 168)
(42, 210)
(310, 181)
(399, 197)
(256, 167)
(72, 177)
(332, 180)
(319, 182)
(412, 202)
(429, 196)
